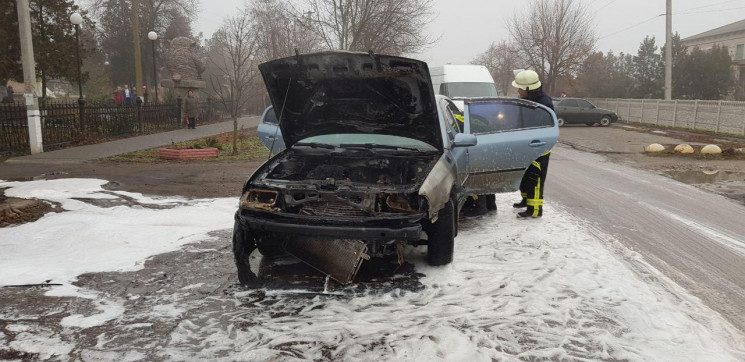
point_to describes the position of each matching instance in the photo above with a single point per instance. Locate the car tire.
(243, 245)
(441, 237)
(561, 122)
(491, 202)
(271, 246)
(605, 121)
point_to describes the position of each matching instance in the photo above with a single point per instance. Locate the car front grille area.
(331, 208)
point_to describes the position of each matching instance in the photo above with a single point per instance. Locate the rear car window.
(491, 117)
(270, 117)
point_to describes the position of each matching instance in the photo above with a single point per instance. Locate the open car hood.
(348, 92)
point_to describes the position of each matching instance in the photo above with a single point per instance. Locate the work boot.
(475, 207)
(521, 204)
(529, 213)
(491, 202)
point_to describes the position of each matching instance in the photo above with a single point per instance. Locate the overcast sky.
(467, 27)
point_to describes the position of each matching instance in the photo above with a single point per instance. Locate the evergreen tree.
(649, 70)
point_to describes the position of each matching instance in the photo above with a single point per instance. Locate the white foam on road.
(89, 238)
(517, 289)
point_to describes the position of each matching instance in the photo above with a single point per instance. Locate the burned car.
(371, 161)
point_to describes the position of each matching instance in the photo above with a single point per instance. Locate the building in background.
(732, 36)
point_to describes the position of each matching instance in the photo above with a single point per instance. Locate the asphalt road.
(694, 237)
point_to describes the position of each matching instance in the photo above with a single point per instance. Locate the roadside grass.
(249, 149)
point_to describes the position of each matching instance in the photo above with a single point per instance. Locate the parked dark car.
(580, 111)
(370, 159)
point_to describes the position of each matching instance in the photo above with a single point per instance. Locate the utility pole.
(30, 91)
(669, 52)
(136, 41)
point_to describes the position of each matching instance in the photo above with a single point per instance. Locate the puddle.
(706, 177)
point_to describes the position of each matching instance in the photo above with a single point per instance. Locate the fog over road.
(695, 237)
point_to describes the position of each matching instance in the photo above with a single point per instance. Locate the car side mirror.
(464, 140)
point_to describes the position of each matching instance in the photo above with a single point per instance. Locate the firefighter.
(531, 187)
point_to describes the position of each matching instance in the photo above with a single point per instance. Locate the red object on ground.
(188, 153)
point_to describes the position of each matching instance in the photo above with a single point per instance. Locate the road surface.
(695, 237)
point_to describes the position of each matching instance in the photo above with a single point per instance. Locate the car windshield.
(364, 139)
(466, 90)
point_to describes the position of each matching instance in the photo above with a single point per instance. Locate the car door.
(269, 132)
(511, 134)
(570, 111)
(587, 112)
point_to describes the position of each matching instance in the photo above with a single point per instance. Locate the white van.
(463, 81)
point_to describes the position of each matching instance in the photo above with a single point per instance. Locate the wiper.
(315, 145)
(375, 145)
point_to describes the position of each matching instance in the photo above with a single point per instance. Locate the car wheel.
(441, 237)
(605, 121)
(271, 245)
(561, 122)
(491, 202)
(243, 246)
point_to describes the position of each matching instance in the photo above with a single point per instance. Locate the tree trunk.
(235, 134)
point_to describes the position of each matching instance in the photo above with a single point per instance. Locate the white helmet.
(526, 80)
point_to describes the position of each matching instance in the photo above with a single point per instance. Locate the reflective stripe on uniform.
(535, 202)
(537, 164)
(537, 195)
(547, 153)
(524, 194)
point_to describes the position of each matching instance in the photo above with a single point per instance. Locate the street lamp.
(154, 36)
(76, 19)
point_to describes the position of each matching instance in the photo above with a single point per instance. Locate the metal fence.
(67, 123)
(713, 116)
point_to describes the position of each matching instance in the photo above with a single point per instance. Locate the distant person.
(190, 109)
(128, 96)
(531, 187)
(563, 95)
(119, 96)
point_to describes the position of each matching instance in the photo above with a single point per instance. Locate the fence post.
(695, 113)
(743, 124)
(675, 112)
(657, 118)
(641, 117)
(178, 112)
(719, 115)
(81, 113)
(138, 113)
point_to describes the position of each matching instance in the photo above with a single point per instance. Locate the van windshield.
(467, 90)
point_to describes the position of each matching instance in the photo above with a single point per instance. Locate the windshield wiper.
(375, 145)
(315, 145)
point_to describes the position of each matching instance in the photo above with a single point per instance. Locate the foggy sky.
(465, 28)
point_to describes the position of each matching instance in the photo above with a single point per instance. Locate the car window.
(271, 117)
(584, 104)
(491, 117)
(569, 103)
(450, 120)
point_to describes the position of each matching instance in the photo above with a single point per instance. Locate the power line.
(632, 26)
(708, 11)
(710, 5)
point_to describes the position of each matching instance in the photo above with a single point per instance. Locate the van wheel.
(561, 122)
(243, 245)
(442, 236)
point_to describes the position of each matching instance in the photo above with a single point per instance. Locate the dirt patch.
(14, 211)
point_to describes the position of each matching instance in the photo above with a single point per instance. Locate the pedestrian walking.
(533, 183)
(128, 96)
(190, 109)
(118, 96)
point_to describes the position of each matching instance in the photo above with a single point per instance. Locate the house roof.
(729, 28)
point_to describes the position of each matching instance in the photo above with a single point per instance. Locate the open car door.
(511, 134)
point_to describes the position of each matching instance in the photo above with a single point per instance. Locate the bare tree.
(384, 26)
(554, 37)
(232, 55)
(501, 59)
(282, 30)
